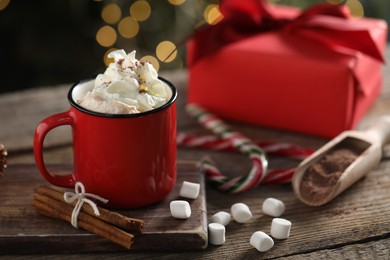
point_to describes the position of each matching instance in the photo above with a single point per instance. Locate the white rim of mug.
(156, 110)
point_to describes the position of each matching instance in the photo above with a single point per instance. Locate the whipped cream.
(127, 86)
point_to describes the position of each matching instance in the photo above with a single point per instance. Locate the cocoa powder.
(320, 178)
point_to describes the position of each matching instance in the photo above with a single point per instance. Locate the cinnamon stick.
(61, 210)
(130, 224)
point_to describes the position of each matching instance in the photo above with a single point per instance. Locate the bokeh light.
(3, 4)
(166, 51)
(107, 60)
(211, 14)
(176, 2)
(128, 27)
(111, 13)
(152, 60)
(356, 8)
(140, 10)
(106, 36)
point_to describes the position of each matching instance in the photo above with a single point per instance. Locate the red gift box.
(299, 74)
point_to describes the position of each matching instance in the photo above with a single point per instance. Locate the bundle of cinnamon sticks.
(108, 224)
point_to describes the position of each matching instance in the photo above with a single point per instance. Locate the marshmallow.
(280, 228)
(221, 217)
(261, 241)
(216, 234)
(189, 190)
(180, 209)
(241, 212)
(273, 207)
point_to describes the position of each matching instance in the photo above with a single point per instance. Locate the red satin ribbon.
(325, 23)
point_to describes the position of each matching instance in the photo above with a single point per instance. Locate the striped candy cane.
(216, 143)
(229, 140)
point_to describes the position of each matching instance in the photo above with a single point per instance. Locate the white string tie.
(81, 197)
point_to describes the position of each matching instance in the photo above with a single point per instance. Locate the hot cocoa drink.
(123, 132)
(128, 86)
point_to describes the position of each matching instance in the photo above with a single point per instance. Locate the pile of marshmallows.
(240, 212)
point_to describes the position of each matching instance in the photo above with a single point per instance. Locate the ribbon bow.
(81, 197)
(325, 23)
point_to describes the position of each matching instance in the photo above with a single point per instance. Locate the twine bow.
(324, 23)
(81, 197)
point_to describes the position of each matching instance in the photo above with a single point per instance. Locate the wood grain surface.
(23, 230)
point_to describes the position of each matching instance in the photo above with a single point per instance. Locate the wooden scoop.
(367, 145)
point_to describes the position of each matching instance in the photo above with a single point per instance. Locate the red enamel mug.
(130, 160)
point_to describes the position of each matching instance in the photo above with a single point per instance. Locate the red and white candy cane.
(216, 143)
(227, 140)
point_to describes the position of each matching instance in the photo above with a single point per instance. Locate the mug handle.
(47, 124)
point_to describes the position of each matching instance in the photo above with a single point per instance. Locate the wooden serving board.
(22, 230)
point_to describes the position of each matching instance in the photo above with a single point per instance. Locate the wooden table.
(356, 225)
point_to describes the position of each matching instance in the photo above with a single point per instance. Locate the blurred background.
(45, 42)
